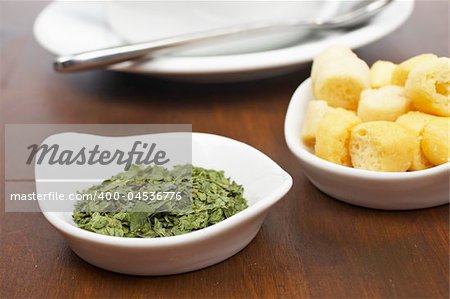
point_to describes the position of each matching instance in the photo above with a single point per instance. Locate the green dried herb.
(214, 198)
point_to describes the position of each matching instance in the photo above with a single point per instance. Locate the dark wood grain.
(309, 246)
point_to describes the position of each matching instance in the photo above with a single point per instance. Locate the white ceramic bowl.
(380, 190)
(265, 184)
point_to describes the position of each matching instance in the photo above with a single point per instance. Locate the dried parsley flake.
(214, 198)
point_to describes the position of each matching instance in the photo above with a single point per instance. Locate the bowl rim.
(252, 211)
(304, 155)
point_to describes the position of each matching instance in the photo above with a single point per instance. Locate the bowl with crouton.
(378, 136)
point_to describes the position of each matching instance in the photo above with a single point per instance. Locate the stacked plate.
(73, 27)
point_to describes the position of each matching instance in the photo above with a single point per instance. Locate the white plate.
(71, 27)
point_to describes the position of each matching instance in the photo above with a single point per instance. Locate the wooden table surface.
(309, 246)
